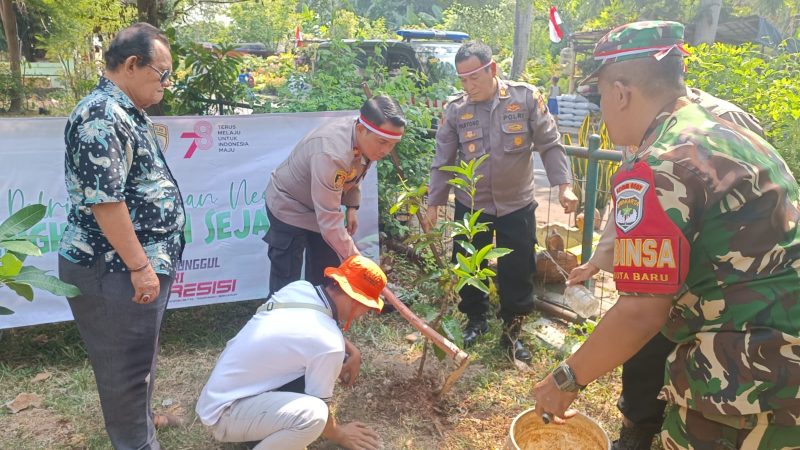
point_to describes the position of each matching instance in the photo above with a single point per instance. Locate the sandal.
(166, 420)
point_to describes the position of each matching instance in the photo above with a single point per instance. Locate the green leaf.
(466, 245)
(41, 280)
(454, 169)
(487, 272)
(458, 182)
(22, 289)
(465, 263)
(22, 220)
(481, 255)
(498, 252)
(478, 284)
(460, 273)
(11, 265)
(5, 311)
(22, 246)
(452, 330)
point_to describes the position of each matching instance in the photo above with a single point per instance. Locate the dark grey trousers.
(121, 338)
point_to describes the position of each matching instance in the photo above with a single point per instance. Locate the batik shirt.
(737, 318)
(113, 155)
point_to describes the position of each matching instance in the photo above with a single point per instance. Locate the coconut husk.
(546, 270)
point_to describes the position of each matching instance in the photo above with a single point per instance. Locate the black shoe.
(516, 349)
(511, 341)
(475, 327)
(637, 437)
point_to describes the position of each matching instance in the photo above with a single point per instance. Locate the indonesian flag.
(298, 38)
(555, 22)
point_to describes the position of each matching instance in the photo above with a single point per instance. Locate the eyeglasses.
(163, 76)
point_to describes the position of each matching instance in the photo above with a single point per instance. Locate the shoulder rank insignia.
(339, 179)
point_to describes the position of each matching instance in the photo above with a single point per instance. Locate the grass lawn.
(476, 414)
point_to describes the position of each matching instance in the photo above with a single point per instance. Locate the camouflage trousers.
(688, 429)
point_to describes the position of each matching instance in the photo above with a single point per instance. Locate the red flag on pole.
(298, 39)
(555, 25)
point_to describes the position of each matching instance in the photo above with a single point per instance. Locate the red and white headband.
(464, 74)
(378, 130)
(660, 52)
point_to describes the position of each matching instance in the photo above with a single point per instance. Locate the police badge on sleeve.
(630, 203)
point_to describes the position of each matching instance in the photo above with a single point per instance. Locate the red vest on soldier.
(651, 254)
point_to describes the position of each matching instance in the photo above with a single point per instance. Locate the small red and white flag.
(555, 25)
(298, 37)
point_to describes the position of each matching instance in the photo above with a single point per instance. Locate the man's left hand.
(567, 198)
(351, 368)
(352, 220)
(553, 401)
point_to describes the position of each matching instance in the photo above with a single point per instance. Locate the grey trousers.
(279, 420)
(121, 338)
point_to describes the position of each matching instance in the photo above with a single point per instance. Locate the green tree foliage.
(207, 79)
(69, 28)
(423, 13)
(203, 25)
(492, 23)
(270, 23)
(767, 86)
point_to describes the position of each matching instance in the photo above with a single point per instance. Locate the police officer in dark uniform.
(508, 121)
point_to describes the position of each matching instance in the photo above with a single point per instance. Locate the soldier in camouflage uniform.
(507, 121)
(643, 374)
(707, 251)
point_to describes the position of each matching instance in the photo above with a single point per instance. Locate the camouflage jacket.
(737, 322)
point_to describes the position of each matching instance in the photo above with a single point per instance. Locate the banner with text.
(222, 165)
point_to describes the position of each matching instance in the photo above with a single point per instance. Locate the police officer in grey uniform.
(643, 374)
(305, 195)
(507, 121)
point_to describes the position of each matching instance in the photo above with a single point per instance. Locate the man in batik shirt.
(124, 236)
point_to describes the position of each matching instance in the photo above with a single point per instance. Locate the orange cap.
(361, 279)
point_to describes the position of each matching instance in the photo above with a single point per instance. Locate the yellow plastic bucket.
(581, 432)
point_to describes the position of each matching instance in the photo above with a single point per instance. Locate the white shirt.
(274, 348)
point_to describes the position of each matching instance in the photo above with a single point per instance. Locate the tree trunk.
(522, 34)
(9, 18)
(148, 11)
(705, 29)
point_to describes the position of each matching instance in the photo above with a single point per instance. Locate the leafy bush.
(15, 247)
(203, 76)
(767, 86)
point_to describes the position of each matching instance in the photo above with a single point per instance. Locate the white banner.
(221, 163)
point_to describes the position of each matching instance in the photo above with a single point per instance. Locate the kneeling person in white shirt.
(272, 381)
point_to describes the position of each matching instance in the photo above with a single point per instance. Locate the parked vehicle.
(427, 51)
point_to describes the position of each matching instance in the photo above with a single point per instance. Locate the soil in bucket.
(528, 432)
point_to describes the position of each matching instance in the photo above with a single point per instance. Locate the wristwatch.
(354, 207)
(565, 379)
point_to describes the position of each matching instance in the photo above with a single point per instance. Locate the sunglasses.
(163, 76)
